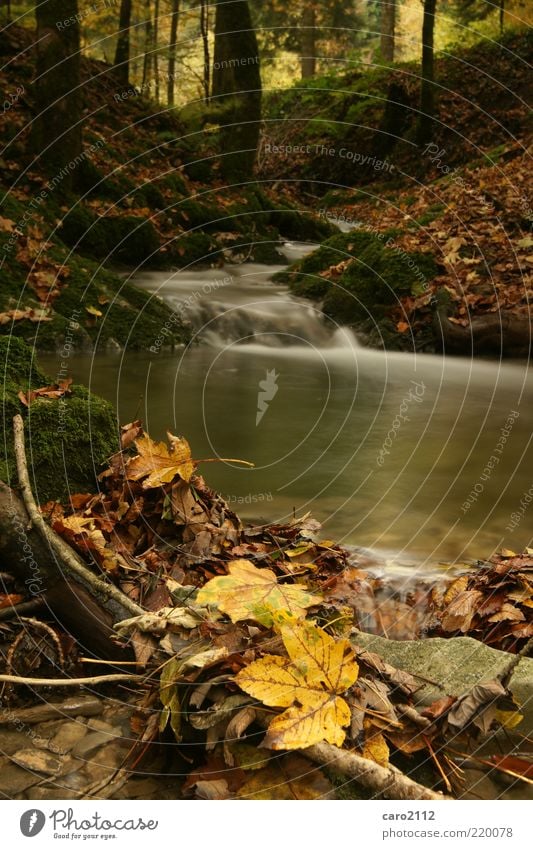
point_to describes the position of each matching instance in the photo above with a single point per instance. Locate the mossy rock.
(267, 251)
(301, 227)
(201, 170)
(253, 248)
(131, 317)
(302, 276)
(150, 194)
(375, 280)
(67, 440)
(127, 238)
(175, 183)
(192, 213)
(190, 248)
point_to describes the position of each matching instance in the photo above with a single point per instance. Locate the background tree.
(204, 31)
(56, 129)
(308, 40)
(388, 25)
(236, 87)
(308, 28)
(174, 24)
(122, 51)
(427, 88)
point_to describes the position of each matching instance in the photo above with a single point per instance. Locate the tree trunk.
(56, 138)
(155, 54)
(147, 44)
(502, 15)
(204, 29)
(388, 24)
(237, 87)
(122, 52)
(31, 560)
(427, 93)
(174, 22)
(308, 41)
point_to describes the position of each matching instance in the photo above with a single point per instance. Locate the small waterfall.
(241, 305)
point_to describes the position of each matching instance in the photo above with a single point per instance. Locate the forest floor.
(150, 193)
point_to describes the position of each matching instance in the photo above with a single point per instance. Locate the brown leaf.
(479, 698)
(460, 612)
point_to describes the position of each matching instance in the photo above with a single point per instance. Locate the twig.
(70, 682)
(15, 610)
(386, 781)
(67, 556)
(389, 781)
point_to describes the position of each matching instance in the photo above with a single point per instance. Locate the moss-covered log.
(68, 439)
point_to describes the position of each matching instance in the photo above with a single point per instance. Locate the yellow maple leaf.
(159, 464)
(252, 593)
(309, 683)
(375, 747)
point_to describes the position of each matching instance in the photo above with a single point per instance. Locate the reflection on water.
(390, 451)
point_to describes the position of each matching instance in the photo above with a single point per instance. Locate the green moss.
(175, 183)
(127, 238)
(191, 213)
(130, 316)
(190, 248)
(375, 280)
(150, 195)
(301, 227)
(302, 277)
(67, 440)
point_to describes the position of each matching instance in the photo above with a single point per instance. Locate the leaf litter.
(249, 653)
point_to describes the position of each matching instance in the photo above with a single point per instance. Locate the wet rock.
(12, 741)
(47, 792)
(101, 725)
(68, 736)
(89, 743)
(39, 761)
(478, 785)
(453, 666)
(77, 780)
(14, 779)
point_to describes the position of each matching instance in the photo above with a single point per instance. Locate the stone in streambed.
(38, 761)
(453, 666)
(68, 736)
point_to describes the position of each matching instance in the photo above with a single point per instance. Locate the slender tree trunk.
(427, 92)
(147, 44)
(308, 41)
(388, 24)
(174, 22)
(155, 49)
(237, 87)
(502, 15)
(204, 29)
(56, 130)
(122, 52)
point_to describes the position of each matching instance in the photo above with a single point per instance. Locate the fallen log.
(497, 334)
(83, 603)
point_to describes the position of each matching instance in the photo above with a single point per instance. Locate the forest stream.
(391, 451)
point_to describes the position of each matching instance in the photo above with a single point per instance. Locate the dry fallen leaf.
(308, 683)
(158, 464)
(287, 778)
(252, 593)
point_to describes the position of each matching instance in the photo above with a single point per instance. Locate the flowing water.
(422, 458)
